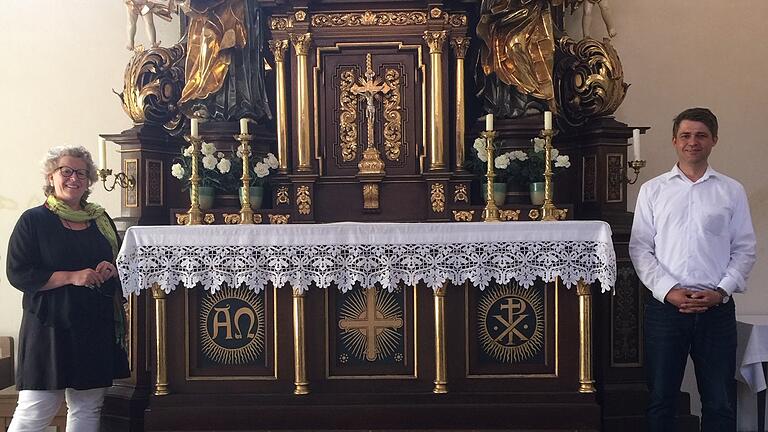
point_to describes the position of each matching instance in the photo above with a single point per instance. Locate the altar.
(396, 319)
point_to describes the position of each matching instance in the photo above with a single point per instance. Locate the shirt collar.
(676, 172)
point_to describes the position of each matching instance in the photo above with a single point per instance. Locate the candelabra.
(121, 179)
(548, 211)
(636, 166)
(491, 211)
(195, 215)
(246, 213)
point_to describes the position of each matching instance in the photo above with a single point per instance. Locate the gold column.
(460, 45)
(586, 380)
(195, 215)
(278, 47)
(301, 45)
(441, 359)
(299, 352)
(161, 363)
(435, 40)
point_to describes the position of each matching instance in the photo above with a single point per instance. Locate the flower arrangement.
(213, 172)
(519, 166)
(259, 172)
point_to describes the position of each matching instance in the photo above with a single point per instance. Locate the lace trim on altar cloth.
(343, 265)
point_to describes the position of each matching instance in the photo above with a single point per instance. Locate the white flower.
(261, 169)
(224, 165)
(479, 146)
(563, 161)
(177, 171)
(271, 160)
(208, 149)
(209, 162)
(519, 155)
(555, 153)
(501, 161)
(240, 151)
(188, 151)
(219, 155)
(538, 145)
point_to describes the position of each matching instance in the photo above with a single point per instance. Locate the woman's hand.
(106, 269)
(86, 277)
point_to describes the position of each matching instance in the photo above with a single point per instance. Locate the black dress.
(67, 336)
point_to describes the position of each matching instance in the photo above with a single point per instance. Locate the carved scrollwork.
(303, 200)
(437, 197)
(460, 194)
(509, 215)
(278, 47)
(280, 23)
(590, 80)
(348, 116)
(455, 20)
(369, 18)
(282, 195)
(301, 43)
(463, 216)
(279, 218)
(231, 218)
(370, 195)
(435, 40)
(393, 136)
(182, 218)
(153, 82)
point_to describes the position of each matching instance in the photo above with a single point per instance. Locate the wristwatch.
(723, 293)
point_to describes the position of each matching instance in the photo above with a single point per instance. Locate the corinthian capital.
(301, 43)
(435, 40)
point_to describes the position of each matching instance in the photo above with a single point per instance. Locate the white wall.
(60, 62)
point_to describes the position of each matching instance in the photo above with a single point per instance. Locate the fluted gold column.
(301, 385)
(586, 380)
(161, 362)
(441, 359)
(301, 45)
(278, 47)
(436, 40)
(460, 45)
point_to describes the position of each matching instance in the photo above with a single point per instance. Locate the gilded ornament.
(534, 214)
(347, 116)
(460, 46)
(437, 197)
(182, 218)
(300, 15)
(370, 321)
(303, 200)
(435, 13)
(209, 218)
(561, 214)
(278, 47)
(277, 219)
(369, 18)
(279, 23)
(153, 83)
(456, 20)
(590, 80)
(463, 215)
(231, 218)
(393, 136)
(232, 326)
(282, 195)
(460, 193)
(435, 40)
(370, 195)
(510, 322)
(257, 218)
(509, 215)
(368, 88)
(301, 43)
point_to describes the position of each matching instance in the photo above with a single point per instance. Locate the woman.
(61, 256)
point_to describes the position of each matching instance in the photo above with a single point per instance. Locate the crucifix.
(368, 88)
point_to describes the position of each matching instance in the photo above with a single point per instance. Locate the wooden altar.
(373, 122)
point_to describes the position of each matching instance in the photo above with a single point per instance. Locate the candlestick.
(243, 126)
(547, 120)
(246, 213)
(636, 144)
(489, 122)
(491, 211)
(102, 153)
(193, 127)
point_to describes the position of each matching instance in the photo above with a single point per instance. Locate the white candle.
(636, 143)
(102, 153)
(489, 122)
(244, 126)
(547, 120)
(193, 127)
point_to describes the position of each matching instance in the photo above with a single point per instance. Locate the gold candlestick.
(195, 215)
(246, 213)
(548, 211)
(491, 212)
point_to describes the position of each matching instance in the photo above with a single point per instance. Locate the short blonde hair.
(51, 161)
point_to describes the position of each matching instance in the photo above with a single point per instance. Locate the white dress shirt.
(697, 235)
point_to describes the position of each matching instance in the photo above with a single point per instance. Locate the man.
(693, 246)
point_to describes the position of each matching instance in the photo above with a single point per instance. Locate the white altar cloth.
(368, 253)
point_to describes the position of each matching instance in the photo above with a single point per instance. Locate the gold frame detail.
(303, 200)
(348, 133)
(437, 197)
(393, 119)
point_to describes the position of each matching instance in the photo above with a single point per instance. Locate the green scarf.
(96, 213)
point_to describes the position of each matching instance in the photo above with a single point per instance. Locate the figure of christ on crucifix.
(369, 88)
(371, 322)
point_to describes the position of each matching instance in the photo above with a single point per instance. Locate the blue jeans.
(710, 339)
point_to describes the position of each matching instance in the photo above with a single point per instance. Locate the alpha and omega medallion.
(232, 326)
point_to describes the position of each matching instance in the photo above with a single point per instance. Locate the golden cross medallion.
(371, 322)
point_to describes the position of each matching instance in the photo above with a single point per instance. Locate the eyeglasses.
(66, 171)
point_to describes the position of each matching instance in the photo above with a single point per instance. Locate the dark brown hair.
(703, 115)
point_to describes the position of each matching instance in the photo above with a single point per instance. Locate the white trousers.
(36, 409)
